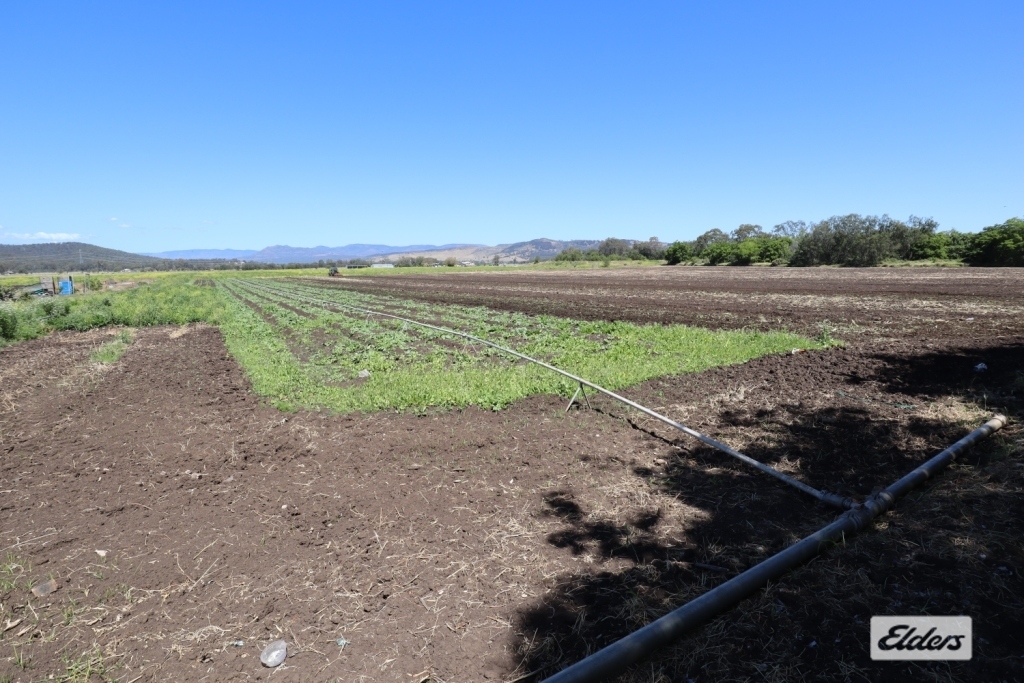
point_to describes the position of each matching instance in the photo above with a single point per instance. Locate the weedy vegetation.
(303, 354)
(112, 351)
(308, 354)
(166, 300)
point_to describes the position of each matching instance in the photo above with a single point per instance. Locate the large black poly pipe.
(640, 644)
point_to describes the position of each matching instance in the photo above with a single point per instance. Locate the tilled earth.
(857, 302)
(186, 524)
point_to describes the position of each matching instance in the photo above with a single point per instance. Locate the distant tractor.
(333, 272)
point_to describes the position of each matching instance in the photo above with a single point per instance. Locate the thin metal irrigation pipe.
(615, 658)
(824, 496)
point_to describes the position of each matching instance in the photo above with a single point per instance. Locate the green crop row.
(302, 354)
(410, 367)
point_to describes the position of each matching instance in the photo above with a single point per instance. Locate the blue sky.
(152, 126)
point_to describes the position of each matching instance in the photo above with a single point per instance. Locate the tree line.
(851, 240)
(614, 249)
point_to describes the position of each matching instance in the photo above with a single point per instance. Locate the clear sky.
(152, 126)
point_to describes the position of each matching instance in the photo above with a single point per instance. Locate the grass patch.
(14, 574)
(167, 300)
(113, 350)
(86, 668)
(303, 356)
(300, 355)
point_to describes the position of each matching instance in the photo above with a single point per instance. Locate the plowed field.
(470, 544)
(934, 302)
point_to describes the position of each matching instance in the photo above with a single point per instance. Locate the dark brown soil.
(937, 302)
(473, 545)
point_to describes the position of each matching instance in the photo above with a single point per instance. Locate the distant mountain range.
(229, 254)
(284, 254)
(518, 252)
(78, 256)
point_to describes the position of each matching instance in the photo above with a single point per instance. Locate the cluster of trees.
(745, 245)
(998, 245)
(426, 261)
(614, 249)
(853, 240)
(263, 265)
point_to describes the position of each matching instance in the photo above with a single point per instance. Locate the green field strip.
(300, 354)
(613, 354)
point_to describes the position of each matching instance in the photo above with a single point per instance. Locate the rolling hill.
(79, 256)
(285, 254)
(205, 254)
(518, 252)
(65, 256)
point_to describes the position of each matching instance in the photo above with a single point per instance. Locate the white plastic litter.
(274, 654)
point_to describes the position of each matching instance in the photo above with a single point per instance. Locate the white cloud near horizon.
(44, 236)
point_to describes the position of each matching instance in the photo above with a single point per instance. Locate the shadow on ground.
(954, 547)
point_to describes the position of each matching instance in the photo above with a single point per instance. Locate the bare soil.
(874, 302)
(474, 545)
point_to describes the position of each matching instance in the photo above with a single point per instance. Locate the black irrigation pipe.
(615, 658)
(824, 496)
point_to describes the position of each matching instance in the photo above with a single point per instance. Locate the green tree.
(720, 253)
(936, 246)
(678, 252)
(746, 231)
(705, 240)
(904, 237)
(773, 249)
(570, 254)
(998, 245)
(855, 240)
(959, 243)
(745, 253)
(652, 249)
(791, 229)
(613, 247)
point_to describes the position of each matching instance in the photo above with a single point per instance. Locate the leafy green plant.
(8, 323)
(824, 337)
